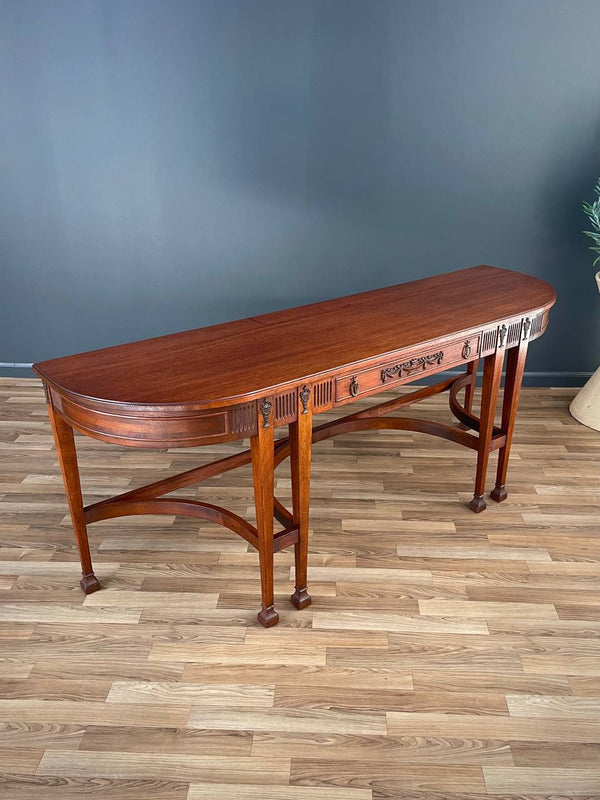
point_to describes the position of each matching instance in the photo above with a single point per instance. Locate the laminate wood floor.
(446, 655)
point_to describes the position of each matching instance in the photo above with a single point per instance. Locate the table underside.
(150, 500)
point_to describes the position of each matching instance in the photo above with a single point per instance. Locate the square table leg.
(263, 468)
(515, 366)
(67, 458)
(470, 387)
(300, 455)
(470, 390)
(492, 373)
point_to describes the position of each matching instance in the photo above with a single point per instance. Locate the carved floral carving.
(265, 409)
(407, 367)
(304, 398)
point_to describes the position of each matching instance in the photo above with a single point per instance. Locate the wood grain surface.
(236, 359)
(446, 656)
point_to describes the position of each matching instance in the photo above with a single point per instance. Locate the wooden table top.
(236, 360)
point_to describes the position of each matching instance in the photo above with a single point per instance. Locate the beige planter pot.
(585, 406)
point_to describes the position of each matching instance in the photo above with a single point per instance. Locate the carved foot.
(301, 598)
(90, 583)
(477, 504)
(268, 616)
(499, 493)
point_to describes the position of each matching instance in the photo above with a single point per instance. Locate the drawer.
(167, 429)
(406, 368)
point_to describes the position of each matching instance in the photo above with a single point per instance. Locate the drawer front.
(178, 429)
(406, 368)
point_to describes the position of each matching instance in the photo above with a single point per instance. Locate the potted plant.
(585, 406)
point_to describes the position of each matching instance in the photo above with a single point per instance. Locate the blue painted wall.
(168, 164)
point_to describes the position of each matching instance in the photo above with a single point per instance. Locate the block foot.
(90, 583)
(499, 493)
(301, 598)
(268, 616)
(477, 504)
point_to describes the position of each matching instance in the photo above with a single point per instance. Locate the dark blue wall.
(169, 164)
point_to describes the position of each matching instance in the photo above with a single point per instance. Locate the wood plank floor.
(446, 656)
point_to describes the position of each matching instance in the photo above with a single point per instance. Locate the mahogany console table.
(246, 378)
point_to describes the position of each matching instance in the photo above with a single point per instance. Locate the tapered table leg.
(263, 466)
(492, 372)
(300, 451)
(470, 387)
(470, 390)
(67, 458)
(515, 365)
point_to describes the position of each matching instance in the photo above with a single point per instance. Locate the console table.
(246, 378)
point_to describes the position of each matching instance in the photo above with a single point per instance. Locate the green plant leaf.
(592, 211)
